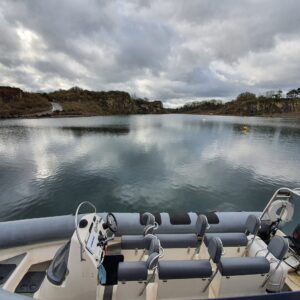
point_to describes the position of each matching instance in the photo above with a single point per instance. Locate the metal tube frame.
(76, 226)
(295, 192)
(211, 279)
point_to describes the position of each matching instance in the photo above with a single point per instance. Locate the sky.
(172, 50)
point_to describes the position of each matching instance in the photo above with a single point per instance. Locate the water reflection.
(111, 130)
(139, 163)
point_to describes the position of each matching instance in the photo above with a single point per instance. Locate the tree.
(292, 93)
(76, 89)
(246, 96)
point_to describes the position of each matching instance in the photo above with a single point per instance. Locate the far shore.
(291, 115)
(77, 102)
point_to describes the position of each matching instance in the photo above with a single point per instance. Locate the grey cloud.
(163, 50)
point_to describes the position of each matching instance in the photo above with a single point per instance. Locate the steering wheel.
(111, 222)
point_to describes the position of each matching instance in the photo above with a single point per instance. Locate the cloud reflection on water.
(144, 163)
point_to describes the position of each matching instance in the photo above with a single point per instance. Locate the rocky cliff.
(78, 101)
(75, 101)
(262, 107)
(14, 103)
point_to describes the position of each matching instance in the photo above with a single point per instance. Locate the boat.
(195, 255)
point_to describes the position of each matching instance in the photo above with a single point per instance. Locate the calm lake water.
(145, 163)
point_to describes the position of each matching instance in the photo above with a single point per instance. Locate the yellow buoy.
(245, 129)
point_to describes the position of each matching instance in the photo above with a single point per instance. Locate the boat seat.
(240, 276)
(171, 242)
(236, 243)
(182, 269)
(178, 240)
(138, 243)
(137, 270)
(133, 242)
(133, 275)
(132, 271)
(232, 266)
(179, 246)
(229, 239)
(187, 279)
(278, 246)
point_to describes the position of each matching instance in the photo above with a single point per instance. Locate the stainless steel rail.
(295, 192)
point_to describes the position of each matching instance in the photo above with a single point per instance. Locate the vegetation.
(247, 96)
(248, 104)
(75, 101)
(195, 106)
(295, 93)
(14, 102)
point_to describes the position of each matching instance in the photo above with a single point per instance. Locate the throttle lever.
(103, 241)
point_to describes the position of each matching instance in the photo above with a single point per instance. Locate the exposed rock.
(252, 106)
(16, 103)
(9, 94)
(78, 101)
(75, 101)
(262, 107)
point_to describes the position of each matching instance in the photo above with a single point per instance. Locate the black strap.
(212, 217)
(180, 219)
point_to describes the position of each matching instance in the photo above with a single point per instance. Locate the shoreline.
(59, 116)
(283, 115)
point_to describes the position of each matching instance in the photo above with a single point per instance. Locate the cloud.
(162, 50)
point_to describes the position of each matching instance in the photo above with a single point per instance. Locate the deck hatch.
(31, 282)
(5, 271)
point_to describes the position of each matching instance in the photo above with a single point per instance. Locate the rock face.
(262, 107)
(75, 101)
(9, 94)
(15, 103)
(78, 101)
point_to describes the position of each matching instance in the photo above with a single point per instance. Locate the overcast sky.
(172, 50)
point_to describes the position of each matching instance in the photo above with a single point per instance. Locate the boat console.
(92, 233)
(79, 262)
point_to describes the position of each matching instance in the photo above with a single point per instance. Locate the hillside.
(262, 107)
(14, 103)
(75, 101)
(246, 104)
(84, 102)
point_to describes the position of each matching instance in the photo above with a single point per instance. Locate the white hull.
(32, 244)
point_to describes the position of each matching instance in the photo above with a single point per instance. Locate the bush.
(247, 96)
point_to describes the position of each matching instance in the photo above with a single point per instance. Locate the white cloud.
(263, 68)
(161, 50)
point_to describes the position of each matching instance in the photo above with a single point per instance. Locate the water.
(145, 163)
